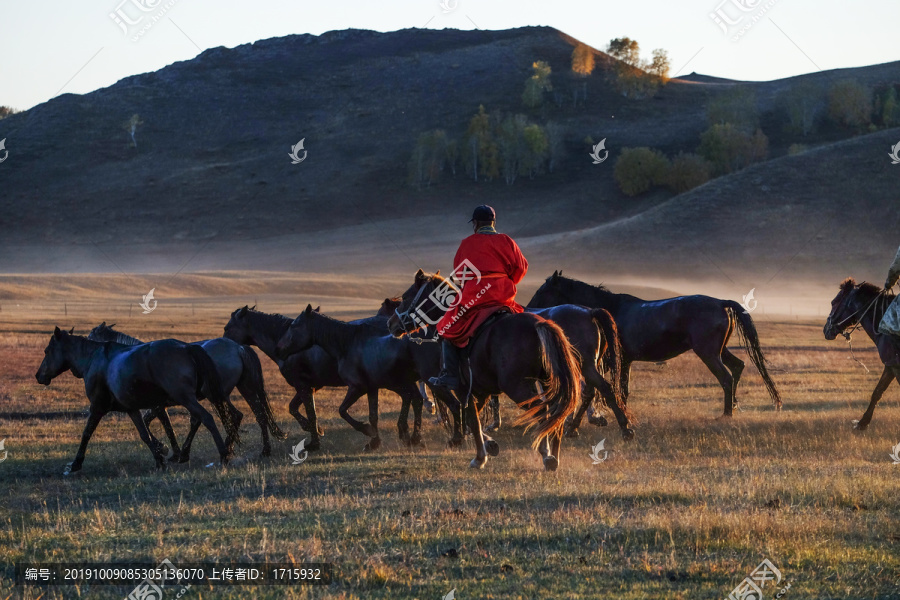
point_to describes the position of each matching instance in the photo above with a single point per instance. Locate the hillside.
(210, 186)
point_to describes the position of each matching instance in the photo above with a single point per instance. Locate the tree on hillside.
(555, 149)
(803, 103)
(428, 158)
(736, 105)
(635, 78)
(638, 169)
(582, 67)
(887, 107)
(537, 148)
(537, 84)
(850, 104)
(5, 111)
(480, 153)
(688, 171)
(730, 148)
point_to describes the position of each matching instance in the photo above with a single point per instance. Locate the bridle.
(409, 323)
(847, 334)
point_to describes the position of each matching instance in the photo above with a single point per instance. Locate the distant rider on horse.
(890, 322)
(488, 265)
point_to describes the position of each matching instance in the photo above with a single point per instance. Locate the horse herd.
(574, 340)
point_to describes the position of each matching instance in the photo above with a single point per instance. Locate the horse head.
(55, 357)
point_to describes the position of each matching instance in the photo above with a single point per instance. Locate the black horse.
(522, 355)
(133, 378)
(307, 371)
(367, 360)
(863, 305)
(659, 330)
(238, 367)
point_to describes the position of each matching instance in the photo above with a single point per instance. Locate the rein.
(407, 321)
(847, 334)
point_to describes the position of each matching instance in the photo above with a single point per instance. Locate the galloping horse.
(367, 360)
(238, 367)
(133, 378)
(522, 355)
(863, 305)
(659, 330)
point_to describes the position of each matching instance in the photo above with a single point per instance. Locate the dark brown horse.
(658, 330)
(522, 355)
(238, 367)
(863, 305)
(120, 378)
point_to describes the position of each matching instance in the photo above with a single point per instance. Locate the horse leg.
(375, 442)
(148, 439)
(203, 415)
(549, 450)
(491, 447)
(624, 379)
(495, 410)
(574, 422)
(427, 403)
(417, 405)
(595, 379)
(185, 454)
(736, 366)
(403, 419)
(354, 393)
(887, 376)
(717, 368)
(306, 397)
(236, 416)
(92, 421)
(163, 417)
(254, 401)
(471, 415)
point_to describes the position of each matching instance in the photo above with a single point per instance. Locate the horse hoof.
(183, 458)
(493, 426)
(492, 448)
(161, 465)
(478, 463)
(598, 421)
(454, 442)
(314, 445)
(416, 440)
(404, 437)
(374, 444)
(628, 434)
(572, 433)
(551, 463)
(70, 469)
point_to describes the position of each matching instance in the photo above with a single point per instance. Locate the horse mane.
(119, 337)
(568, 284)
(870, 289)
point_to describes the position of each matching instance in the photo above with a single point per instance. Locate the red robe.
(502, 266)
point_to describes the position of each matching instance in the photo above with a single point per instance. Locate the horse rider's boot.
(449, 376)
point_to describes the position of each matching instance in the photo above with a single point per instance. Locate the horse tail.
(612, 358)
(208, 376)
(750, 342)
(562, 383)
(253, 373)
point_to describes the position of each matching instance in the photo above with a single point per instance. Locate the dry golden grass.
(687, 510)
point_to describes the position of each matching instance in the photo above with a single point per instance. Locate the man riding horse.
(495, 260)
(890, 322)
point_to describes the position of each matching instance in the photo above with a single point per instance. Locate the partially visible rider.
(491, 265)
(890, 323)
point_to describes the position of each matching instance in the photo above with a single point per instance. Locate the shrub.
(638, 169)
(688, 171)
(850, 104)
(730, 149)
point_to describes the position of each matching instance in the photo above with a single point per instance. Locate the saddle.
(465, 365)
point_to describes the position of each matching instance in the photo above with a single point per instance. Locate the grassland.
(687, 510)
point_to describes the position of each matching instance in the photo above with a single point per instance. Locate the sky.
(50, 47)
